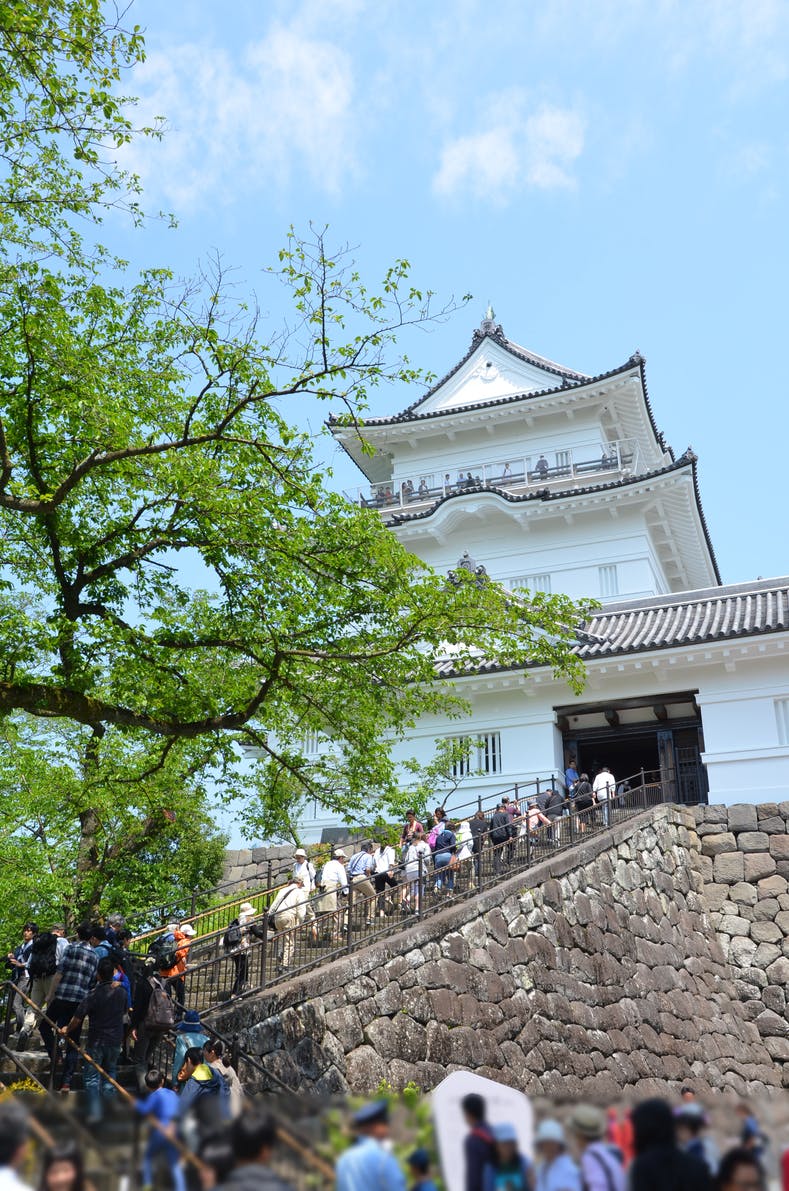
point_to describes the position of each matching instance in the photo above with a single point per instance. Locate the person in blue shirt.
(368, 1165)
(162, 1105)
(571, 776)
(419, 1166)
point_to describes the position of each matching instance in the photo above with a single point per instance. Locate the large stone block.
(766, 932)
(729, 868)
(779, 846)
(778, 972)
(772, 1025)
(773, 886)
(775, 825)
(716, 895)
(753, 841)
(743, 893)
(713, 845)
(732, 924)
(758, 864)
(765, 954)
(742, 817)
(741, 951)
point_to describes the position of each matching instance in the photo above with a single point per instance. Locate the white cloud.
(239, 126)
(519, 149)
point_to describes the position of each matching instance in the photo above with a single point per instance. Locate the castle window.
(782, 720)
(609, 580)
(484, 755)
(311, 742)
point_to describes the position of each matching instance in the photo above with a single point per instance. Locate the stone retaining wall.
(600, 972)
(745, 865)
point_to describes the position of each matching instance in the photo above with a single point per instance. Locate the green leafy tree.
(64, 120)
(178, 580)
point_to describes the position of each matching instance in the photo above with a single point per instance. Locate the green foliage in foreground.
(178, 582)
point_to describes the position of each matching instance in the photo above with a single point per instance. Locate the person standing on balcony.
(604, 788)
(541, 468)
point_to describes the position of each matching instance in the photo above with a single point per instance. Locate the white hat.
(339, 854)
(171, 926)
(246, 908)
(299, 852)
(188, 930)
(549, 1131)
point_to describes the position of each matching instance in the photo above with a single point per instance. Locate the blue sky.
(611, 174)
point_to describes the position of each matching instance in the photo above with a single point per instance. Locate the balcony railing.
(568, 468)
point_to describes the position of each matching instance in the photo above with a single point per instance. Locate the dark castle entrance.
(661, 735)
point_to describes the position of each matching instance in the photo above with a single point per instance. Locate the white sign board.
(502, 1105)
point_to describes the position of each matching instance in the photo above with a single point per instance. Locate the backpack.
(43, 956)
(232, 936)
(160, 1014)
(163, 952)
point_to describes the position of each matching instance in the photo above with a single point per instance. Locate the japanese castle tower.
(562, 482)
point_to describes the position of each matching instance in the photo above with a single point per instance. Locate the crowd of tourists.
(654, 1147)
(129, 1002)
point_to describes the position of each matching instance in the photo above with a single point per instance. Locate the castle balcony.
(565, 469)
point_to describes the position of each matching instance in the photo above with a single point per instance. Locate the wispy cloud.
(519, 148)
(237, 125)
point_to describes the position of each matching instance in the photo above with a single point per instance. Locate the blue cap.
(505, 1132)
(191, 1023)
(420, 1160)
(369, 1114)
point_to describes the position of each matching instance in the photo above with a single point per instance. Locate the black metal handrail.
(337, 924)
(217, 918)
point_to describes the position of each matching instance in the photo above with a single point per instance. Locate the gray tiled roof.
(688, 618)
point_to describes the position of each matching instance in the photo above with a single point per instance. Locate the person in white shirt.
(384, 860)
(556, 1170)
(14, 1141)
(288, 911)
(304, 868)
(604, 787)
(334, 880)
(419, 847)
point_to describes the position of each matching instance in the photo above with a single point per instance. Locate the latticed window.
(533, 582)
(311, 742)
(482, 756)
(609, 580)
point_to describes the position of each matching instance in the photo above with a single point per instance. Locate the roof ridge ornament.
(489, 327)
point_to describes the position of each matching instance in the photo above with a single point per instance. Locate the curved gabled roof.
(570, 381)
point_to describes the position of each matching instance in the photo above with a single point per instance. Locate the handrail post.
(528, 842)
(537, 783)
(349, 920)
(420, 884)
(264, 951)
